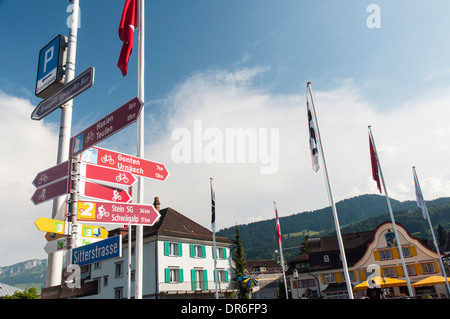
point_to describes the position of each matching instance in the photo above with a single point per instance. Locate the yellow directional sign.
(52, 236)
(93, 231)
(50, 225)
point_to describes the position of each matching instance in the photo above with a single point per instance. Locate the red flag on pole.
(278, 230)
(374, 161)
(128, 24)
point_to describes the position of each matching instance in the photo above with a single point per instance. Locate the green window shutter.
(224, 253)
(226, 276)
(181, 275)
(193, 280)
(192, 250)
(203, 251)
(180, 249)
(166, 248)
(213, 252)
(167, 274)
(205, 279)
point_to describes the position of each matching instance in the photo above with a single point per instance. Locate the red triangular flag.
(128, 24)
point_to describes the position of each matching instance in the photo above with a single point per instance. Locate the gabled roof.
(7, 290)
(172, 223)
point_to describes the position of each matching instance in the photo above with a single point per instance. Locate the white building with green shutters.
(177, 260)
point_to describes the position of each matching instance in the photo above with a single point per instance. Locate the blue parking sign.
(50, 67)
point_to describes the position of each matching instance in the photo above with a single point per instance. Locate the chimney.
(156, 203)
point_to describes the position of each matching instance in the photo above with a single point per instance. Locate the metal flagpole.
(397, 239)
(140, 190)
(330, 196)
(422, 205)
(55, 260)
(280, 245)
(213, 226)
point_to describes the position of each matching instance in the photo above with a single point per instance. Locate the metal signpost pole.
(54, 264)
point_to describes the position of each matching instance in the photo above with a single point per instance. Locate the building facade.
(177, 262)
(319, 273)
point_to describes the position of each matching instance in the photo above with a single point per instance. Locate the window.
(105, 280)
(326, 258)
(406, 252)
(305, 283)
(174, 275)
(199, 279)
(390, 272)
(221, 253)
(119, 269)
(118, 293)
(385, 254)
(329, 278)
(411, 270)
(197, 251)
(223, 275)
(172, 249)
(428, 268)
(97, 265)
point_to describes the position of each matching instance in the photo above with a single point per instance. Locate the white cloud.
(224, 99)
(27, 148)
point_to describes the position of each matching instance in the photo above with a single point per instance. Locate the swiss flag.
(128, 24)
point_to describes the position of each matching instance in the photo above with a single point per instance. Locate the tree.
(304, 246)
(240, 262)
(441, 235)
(30, 293)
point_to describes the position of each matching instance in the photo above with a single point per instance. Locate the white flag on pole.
(419, 196)
(312, 133)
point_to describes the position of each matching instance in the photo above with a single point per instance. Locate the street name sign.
(52, 174)
(51, 191)
(70, 90)
(106, 175)
(127, 163)
(99, 251)
(117, 213)
(107, 126)
(51, 225)
(93, 190)
(50, 73)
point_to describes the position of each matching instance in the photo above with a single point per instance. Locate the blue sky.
(236, 64)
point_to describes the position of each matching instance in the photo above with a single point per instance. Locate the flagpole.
(423, 205)
(213, 226)
(330, 197)
(280, 245)
(140, 153)
(397, 239)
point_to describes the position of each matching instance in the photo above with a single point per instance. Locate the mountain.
(26, 274)
(355, 214)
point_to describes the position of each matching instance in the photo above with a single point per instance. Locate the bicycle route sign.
(107, 126)
(117, 213)
(52, 174)
(93, 190)
(106, 175)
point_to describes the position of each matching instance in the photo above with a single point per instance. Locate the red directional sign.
(88, 189)
(135, 165)
(52, 174)
(106, 175)
(107, 126)
(51, 191)
(117, 213)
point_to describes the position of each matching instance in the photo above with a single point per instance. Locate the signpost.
(50, 73)
(106, 175)
(70, 90)
(93, 190)
(51, 191)
(52, 174)
(107, 126)
(135, 165)
(99, 251)
(93, 231)
(117, 213)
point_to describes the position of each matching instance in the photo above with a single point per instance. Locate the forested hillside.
(355, 214)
